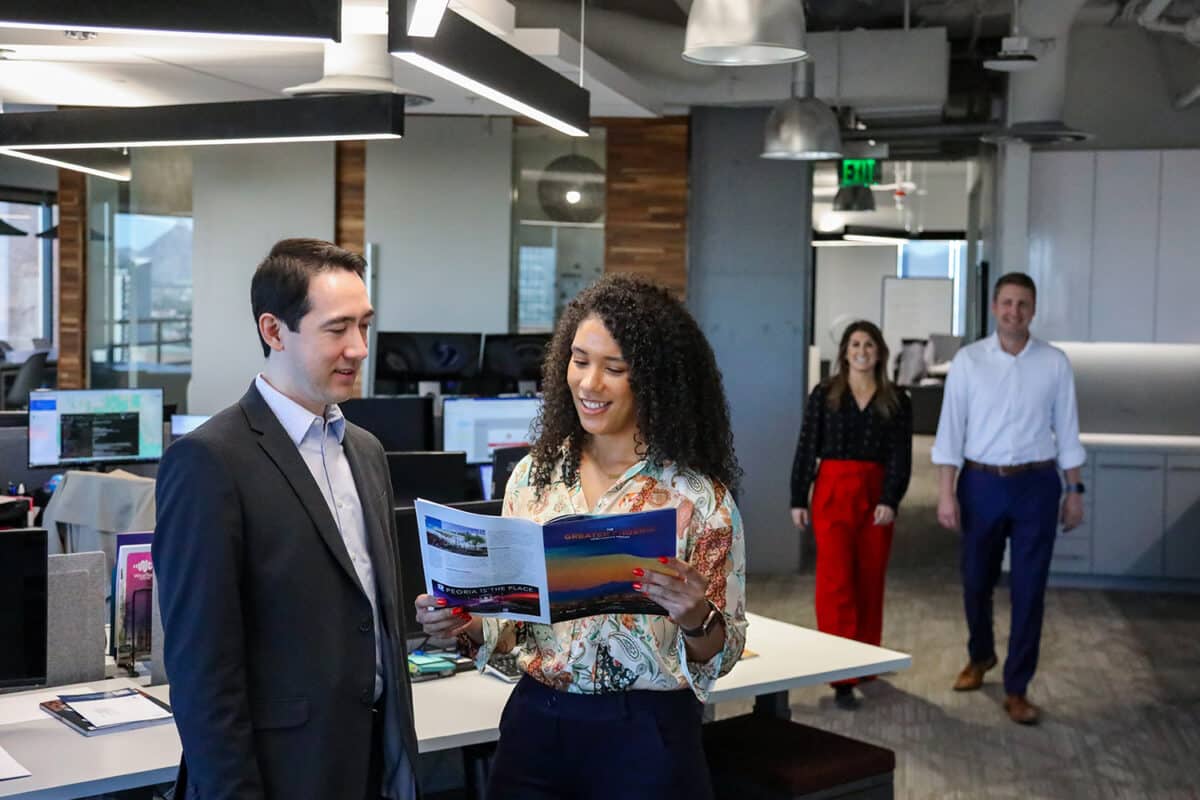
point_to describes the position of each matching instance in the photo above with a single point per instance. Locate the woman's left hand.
(884, 515)
(681, 594)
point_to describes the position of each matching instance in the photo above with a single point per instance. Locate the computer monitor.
(94, 427)
(431, 475)
(402, 360)
(23, 607)
(504, 461)
(412, 574)
(514, 356)
(480, 425)
(399, 423)
(183, 424)
(14, 419)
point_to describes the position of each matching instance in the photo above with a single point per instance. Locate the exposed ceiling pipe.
(1151, 18)
(1187, 98)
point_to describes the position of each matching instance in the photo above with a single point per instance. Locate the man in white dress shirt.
(1009, 423)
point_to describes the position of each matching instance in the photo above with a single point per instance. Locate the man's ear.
(270, 328)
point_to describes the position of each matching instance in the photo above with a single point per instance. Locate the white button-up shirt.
(319, 440)
(1002, 409)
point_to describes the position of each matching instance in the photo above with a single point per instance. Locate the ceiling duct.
(1035, 133)
(359, 64)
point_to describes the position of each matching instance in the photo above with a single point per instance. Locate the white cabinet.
(1125, 246)
(1177, 318)
(1182, 532)
(1111, 245)
(1127, 538)
(1061, 188)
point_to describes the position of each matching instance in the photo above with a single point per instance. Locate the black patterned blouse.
(854, 435)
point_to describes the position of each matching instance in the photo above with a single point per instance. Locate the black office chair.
(29, 377)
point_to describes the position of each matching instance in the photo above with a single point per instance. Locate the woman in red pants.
(858, 425)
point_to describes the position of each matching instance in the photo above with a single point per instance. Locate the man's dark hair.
(1015, 279)
(280, 284)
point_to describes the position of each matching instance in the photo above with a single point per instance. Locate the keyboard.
(504, 666)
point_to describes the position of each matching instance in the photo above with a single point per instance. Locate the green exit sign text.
(858, 172)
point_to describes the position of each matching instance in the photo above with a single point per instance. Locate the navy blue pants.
(629, 745)
(1022, 508)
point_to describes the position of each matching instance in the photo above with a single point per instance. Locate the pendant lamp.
(802, 128)
(735, 33)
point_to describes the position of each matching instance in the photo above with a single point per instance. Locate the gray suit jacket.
(269, 644)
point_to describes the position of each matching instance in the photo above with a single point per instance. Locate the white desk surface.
(450, 713)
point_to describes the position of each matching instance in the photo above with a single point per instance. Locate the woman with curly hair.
(633, 418)
(859, 425)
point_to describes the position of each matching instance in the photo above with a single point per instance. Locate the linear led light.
(470, 57)
(319, 118)
(259, 37)
(426, 17)
(867, 238)
(117, 173)
(311, 20)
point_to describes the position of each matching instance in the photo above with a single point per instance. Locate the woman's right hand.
(442, 624)
(800, 518)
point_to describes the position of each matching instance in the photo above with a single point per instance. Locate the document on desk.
(9, 768)
(103, 711)
(570, 567)
(24, 707)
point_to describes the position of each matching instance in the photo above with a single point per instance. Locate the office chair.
(29, 377)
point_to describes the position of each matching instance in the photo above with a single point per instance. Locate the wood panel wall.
(72, 280)
(349, 228)
(645, 230)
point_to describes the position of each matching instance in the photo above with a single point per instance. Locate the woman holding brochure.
(634, 418)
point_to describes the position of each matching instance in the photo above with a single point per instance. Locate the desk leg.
(774, 704)
(477, 762)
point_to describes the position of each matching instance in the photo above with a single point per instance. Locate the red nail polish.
(637, 587)
(456, 611)
(664, 560)
(441, 601)
(639, 571)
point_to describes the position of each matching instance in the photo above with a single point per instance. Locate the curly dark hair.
(682, 413)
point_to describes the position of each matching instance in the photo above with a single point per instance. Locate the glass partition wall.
(140, 276)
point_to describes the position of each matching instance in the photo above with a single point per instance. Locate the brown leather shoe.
(971, 677)
(1021, 710)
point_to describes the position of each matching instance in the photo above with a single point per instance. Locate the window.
(937, 259)
(26, 274)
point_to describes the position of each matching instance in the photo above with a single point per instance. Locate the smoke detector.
(359, 64)
(1017, 53)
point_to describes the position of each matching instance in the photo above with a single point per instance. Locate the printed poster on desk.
(568, 568)
(133, 603)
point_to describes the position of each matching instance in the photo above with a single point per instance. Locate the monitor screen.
(14, 419)
(485, 481)
(480, 425)
(95, 426)
(399, 423)
(405, 358)
(23, 604)
(412, 574)
(515, 356)
(183, 424)
(437, 476)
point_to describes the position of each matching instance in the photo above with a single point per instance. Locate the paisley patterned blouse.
(612, 653)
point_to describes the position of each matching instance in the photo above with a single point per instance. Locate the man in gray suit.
(276, 563)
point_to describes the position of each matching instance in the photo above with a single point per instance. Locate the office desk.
(451, 713)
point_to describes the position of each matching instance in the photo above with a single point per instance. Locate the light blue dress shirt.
(319, 440)
(1002, 409)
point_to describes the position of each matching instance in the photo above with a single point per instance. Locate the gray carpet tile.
(1118, 681)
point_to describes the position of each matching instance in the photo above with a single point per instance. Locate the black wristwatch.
(1075, 488)
(704, 628)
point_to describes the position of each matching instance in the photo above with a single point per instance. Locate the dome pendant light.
(802, 128)
(736, 33)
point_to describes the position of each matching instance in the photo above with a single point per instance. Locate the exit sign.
(858, 172)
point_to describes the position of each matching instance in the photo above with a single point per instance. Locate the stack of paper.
(9, 768)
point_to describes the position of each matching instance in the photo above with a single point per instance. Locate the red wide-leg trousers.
(852, 551)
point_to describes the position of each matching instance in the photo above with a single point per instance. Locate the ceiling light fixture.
(736, 33)
(1016, 51)
(114, 165)
(312, 20)
(359, 64)
(467, 55)
(300, 119)
(802, 129)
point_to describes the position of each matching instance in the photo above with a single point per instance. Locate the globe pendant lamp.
(802, 128)
(736, 33)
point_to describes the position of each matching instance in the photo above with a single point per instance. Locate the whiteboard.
(913, 308)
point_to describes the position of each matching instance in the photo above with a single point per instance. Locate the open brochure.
(569, 567)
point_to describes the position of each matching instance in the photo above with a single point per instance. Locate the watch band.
(1075, 488)
(703, 628)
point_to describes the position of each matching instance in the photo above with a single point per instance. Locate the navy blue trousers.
(1022, 509)
(629, 745)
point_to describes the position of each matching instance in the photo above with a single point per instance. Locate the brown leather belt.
(1011, 469)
